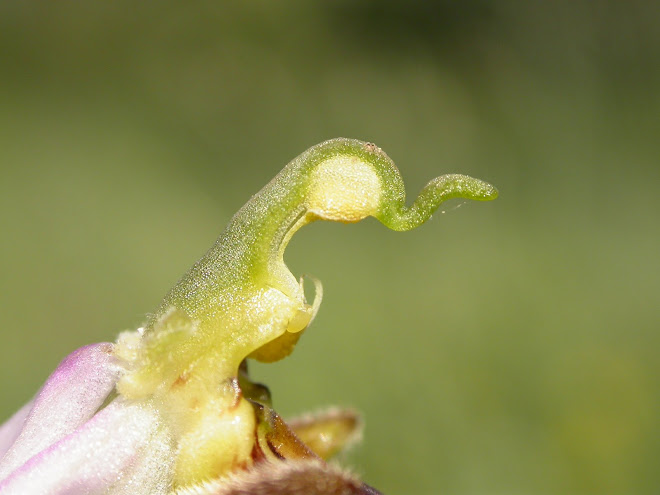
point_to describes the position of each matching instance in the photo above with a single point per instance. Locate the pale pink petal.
(112, 449)
(70, 396)
(11, 428)
(150, 473)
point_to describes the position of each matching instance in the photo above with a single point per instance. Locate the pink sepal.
(70, 396)
(11, 428)
(122, 450)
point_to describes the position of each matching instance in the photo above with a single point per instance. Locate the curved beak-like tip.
(491, 193)
(480, 190)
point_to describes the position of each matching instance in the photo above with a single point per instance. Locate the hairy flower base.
(170, 408)
(293, 477)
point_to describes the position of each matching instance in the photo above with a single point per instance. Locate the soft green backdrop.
(509, 347)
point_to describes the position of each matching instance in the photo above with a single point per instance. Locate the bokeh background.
(506, 347)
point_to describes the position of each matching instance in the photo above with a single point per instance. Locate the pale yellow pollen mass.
(344, 189)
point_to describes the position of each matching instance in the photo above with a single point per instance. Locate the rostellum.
(170, 408)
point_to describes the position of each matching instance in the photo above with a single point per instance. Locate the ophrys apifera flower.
(170, 408)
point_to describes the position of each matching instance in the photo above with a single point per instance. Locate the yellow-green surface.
(500, 348)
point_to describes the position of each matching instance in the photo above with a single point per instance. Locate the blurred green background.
(507, 347)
